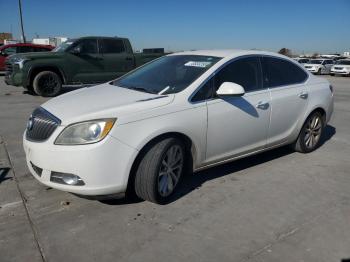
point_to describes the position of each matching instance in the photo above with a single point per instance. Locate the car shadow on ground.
(195, 181)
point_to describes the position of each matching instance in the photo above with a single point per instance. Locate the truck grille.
(41, 125)
(338, 68)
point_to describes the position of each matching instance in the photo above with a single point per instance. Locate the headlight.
(20, 61)
(85, 132)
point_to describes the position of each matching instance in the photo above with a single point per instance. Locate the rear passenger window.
(280, 72)
(245, 72)
(114, 46)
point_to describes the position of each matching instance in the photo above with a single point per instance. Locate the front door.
(86, 64)
(238, 125)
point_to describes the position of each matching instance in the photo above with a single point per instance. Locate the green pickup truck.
(86, 60)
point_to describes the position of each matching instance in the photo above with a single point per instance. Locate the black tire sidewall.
(39, 90)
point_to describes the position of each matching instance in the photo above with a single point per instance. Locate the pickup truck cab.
(86, 60)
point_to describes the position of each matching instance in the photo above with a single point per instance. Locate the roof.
(227, 53)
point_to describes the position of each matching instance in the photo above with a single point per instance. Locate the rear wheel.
(160, 171)
(310, 134)
(47, 84)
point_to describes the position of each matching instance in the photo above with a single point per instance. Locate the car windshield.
(316, 62)
(167, 75)
(63, 47)
(343, 62)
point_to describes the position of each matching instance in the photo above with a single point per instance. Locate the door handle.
(303, 95)
(262, 105)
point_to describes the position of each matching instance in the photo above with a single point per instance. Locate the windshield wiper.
(141, 89)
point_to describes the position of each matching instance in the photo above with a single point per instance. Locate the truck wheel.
(310, 135)
(47, 84)
(319, 72)
(160, 171)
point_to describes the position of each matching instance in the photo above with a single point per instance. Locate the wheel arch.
(190, 147)
(37, 69)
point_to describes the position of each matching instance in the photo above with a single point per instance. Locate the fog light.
(66, 179)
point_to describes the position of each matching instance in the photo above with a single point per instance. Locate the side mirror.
(2, 53)
(76, 50)
(230, 89)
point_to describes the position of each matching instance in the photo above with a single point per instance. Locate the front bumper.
(104, 167)
(340, 72)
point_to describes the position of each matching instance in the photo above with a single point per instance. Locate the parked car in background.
(86, 60)
(302, 60)
(186, 111)
(7, 50)
(319, 66)
(341, 67)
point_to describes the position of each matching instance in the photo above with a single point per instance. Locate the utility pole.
(20, 15)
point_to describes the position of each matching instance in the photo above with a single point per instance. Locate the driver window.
(87, 46)
(245, 72)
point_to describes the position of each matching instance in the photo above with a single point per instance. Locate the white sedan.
(180, 113)
(342, 67)
(319, 66)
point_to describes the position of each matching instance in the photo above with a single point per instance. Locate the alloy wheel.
(170, 170)
(313, 132)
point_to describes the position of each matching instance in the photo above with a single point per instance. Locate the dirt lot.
(276, 206)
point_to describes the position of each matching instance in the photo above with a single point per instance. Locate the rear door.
(238, 125)
(116, 60)
(289, 97)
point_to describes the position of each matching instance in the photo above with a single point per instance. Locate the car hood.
(103, 101)
(35, 55)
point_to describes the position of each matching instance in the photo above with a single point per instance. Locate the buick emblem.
(30, 123)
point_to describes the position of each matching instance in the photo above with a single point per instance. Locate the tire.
(166, 157)
(47, 84)
(308, 142)
(331, 74)
(319, 72)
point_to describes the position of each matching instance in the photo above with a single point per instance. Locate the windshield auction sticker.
(198, 64)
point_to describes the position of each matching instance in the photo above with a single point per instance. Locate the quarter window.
(112, 46)
(204, 93)
(280, 72)
(245, 72)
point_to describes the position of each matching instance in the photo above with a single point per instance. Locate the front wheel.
(319, 72)
(310, 135)
(47, 84)
(160, 171)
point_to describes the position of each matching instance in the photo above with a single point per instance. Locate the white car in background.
(180, 113)
(302, 60)
(319, 66)
(342, 67)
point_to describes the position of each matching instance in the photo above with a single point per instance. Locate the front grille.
(41, 125)
(338, 68)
